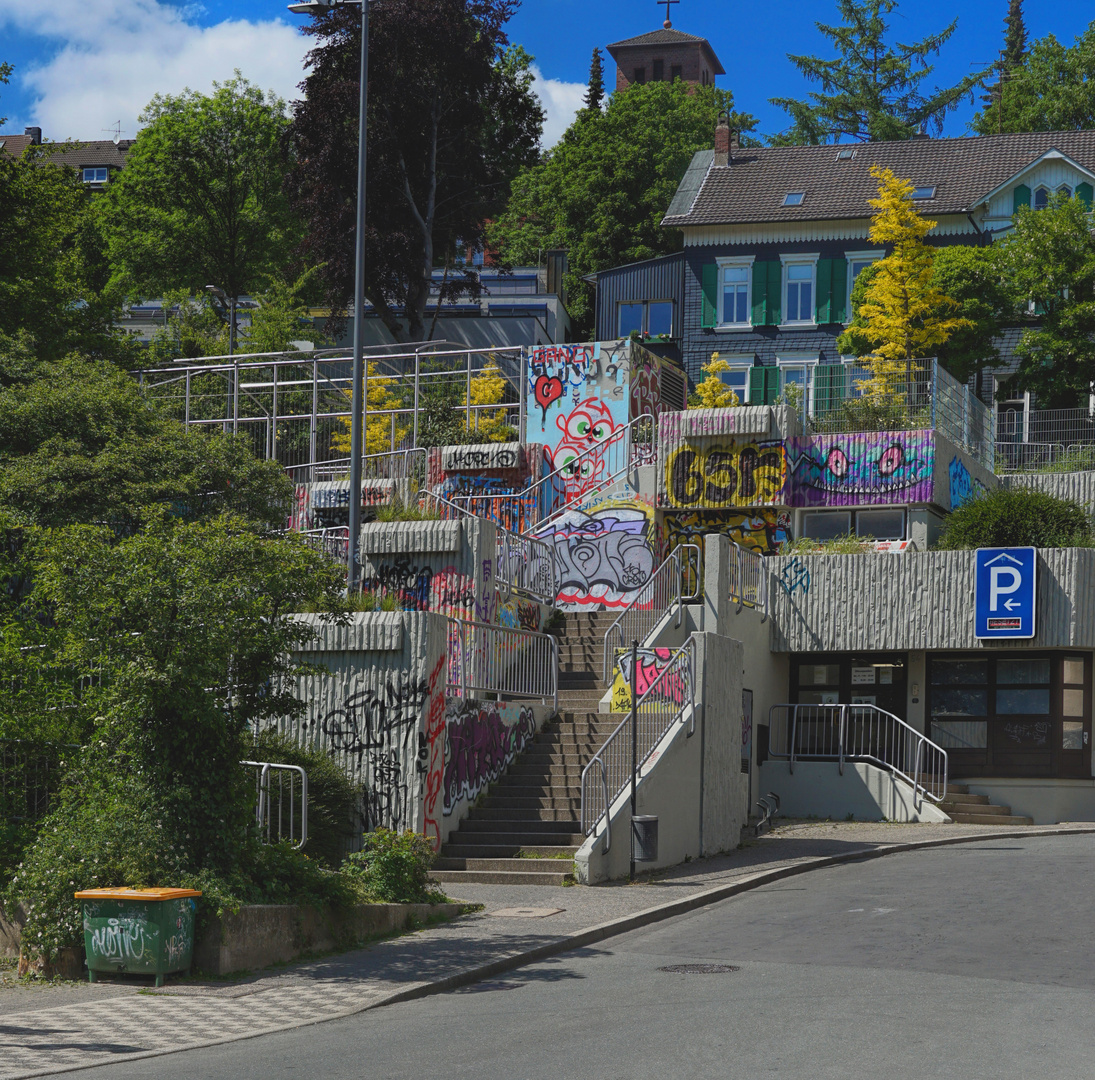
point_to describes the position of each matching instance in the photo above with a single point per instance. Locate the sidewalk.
(55, 1028)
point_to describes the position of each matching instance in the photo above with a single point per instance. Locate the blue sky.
(81, 66)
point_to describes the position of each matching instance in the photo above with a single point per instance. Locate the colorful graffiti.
(795, 575)
(645, 389)
(482, 456)
(762, 532)
(864, 469)
(605, 556)
(725, 474)
(481, 739)
(421, 588)
(586, 426)
(962, 486)
(577, 398)
(431, 741)
(651, 665)
(524, 615)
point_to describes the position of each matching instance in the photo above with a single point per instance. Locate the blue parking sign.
(1006, 593)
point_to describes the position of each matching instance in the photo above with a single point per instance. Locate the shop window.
(880, 524)
(959, 703)
(827, 524)
(1022, 687)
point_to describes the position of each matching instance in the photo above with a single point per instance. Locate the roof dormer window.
(845, 155)
(96, 175)
(923, 193)
(1041, 198)
(794, 198)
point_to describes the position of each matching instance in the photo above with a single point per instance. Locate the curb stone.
(591, 935)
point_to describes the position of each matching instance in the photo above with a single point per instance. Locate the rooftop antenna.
(667, 24)
(117, 131)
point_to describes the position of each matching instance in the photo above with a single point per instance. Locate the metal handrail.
(339, 468)
(749, 580)
(263, 817)
(665, 703)
(649, 606)
(490, 659)
(842, 732)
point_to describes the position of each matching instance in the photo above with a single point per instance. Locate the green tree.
(80, 443)
(51, 260)
(452, 118)
(1012, 54)
(873, 89)
(1048, 260)
(5, 74)
(1052, 89)
(971, 277)
(602, 191)
(200, 200)
(595, 91)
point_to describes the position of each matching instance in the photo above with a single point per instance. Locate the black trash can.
(644, 837)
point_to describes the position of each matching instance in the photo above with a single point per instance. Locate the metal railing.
(749, 580)
(527, 567)
(502, 660)
(1016, 457)
(277, 816)
(667, 700)
(664, 588)
(405, 464)
(333, 542)
(866, 733)
(906, 396)
(30, 777)
(573, 480)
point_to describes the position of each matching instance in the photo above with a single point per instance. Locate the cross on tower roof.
(667, 24)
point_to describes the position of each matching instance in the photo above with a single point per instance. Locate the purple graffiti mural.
(481, 739)
(861, 469)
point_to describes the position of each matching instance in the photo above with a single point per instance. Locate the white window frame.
(850, 257)
(741, 362)
(799, 260)
(808, 362)
(735, 262)
(95, 169)
(644, 330)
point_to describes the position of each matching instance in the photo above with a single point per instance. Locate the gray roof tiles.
(962, 170)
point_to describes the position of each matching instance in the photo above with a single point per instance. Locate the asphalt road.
(974, 961)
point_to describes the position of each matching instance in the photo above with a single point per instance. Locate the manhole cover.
(698, 969)
(486, 987)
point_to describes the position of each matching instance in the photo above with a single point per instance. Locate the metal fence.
(295, 407)
(666, 586)
(668, 700)
(30, 777)
(866, 733)
(1045, 440)
(501, 660)
(907, 396)
(281, 802)
(749, 580)
(406, 464)
(527, 567)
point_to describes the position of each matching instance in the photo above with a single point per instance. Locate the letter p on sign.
(1005, 598)
(998, 589)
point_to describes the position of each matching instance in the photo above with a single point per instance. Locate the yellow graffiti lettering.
(726, 475)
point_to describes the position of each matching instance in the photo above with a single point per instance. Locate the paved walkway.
(58, 1027)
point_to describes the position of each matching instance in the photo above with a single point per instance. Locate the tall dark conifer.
(1014, 51)
(595, 92)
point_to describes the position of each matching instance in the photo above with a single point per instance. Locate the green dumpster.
(138, 931)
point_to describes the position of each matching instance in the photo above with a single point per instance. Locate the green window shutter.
(756, 385)
(830, 387)
(774, 290)
(771, 385)
(760, 292)
(1021, 198)
(1083, 193)
(839, 308)
(824, 305)
(709, 283)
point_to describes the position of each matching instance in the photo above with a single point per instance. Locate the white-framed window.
(735, 292)
(96, 175)
(796, 377)
(794, 198)
(799, 288)
(925, 192)
(858, 261)
(1041, 197)
(737, 377)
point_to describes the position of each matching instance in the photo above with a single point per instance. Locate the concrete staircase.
(528, 827)
(966, 809)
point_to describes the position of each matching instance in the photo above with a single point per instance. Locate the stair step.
(506, 851)
(535, 788)
(521, 813)
(964, 799)
(984, 809)
(990, 819)
(540, 866)
(518, 825)
(521, 838)
(500, 877)
(562, 804)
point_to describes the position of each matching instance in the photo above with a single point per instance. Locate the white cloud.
(115, 55)
(561, 100)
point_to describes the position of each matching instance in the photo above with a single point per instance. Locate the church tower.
(665, 55)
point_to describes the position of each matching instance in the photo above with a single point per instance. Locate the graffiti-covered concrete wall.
(756, 530)
(605, 553)
(959, 476)
(443, 566)
(378, 709)
(326, 503)
(577, 398)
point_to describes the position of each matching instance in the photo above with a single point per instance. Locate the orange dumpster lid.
(135, 894)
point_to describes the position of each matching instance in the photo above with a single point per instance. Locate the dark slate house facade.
(774, 237)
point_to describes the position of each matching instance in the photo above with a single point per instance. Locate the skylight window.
(794, 198)
(845, 155)
(923, 193)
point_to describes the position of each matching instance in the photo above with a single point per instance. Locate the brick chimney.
(722, 140)
(34, 134)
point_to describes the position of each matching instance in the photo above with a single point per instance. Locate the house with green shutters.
(775, 236)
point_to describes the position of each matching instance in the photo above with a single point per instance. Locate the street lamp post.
(357, 401)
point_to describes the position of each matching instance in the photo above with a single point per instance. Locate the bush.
(332, 796)
(393, 868)
(1017, 517)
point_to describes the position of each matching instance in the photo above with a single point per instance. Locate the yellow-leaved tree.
(713, 393)
(488, 388)
(902, 315)
(381, 435)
